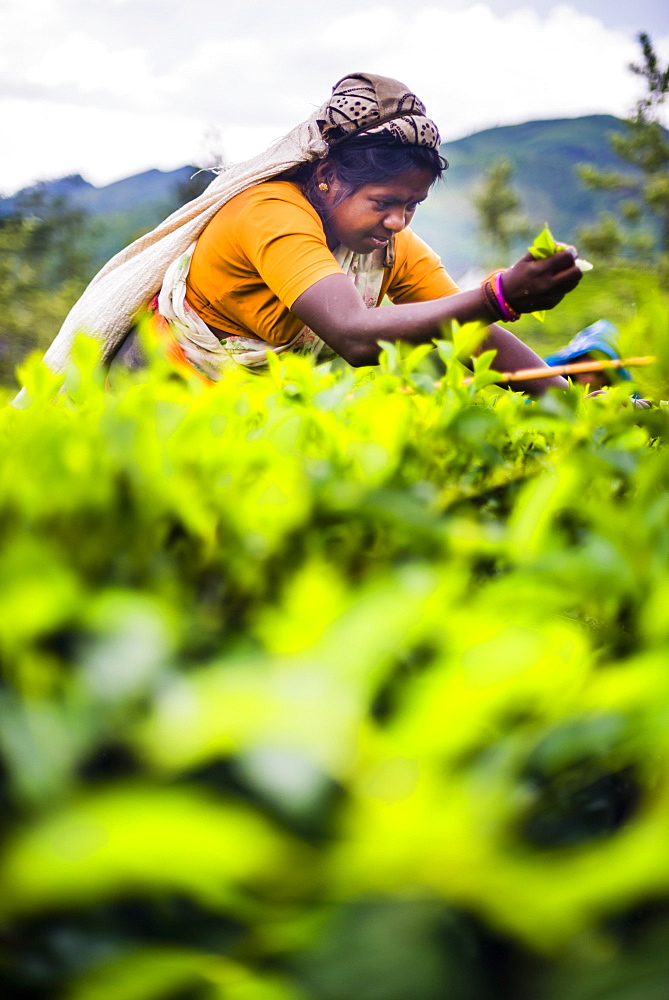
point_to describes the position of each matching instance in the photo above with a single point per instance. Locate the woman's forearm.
(333, 309)
(513, 354)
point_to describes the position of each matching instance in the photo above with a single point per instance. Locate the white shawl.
(129, 281)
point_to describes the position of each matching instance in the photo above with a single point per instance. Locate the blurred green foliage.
(642, 230)
(498, 207)
(314, 689)
(44, 267)
(634, 300)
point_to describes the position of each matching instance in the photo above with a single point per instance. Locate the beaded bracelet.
(490, 299)
(493, 294)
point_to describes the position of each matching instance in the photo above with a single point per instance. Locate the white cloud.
(48, 141)
(121, 75)
(87, 92)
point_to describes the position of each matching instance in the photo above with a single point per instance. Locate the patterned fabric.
(365, 103)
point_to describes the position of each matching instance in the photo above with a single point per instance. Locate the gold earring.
(323, 187)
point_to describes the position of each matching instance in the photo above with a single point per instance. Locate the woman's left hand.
(535, 285)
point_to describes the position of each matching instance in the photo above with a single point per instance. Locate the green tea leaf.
(138, 837)
(544, 245)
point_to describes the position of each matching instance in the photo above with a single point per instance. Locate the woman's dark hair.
(366, 159)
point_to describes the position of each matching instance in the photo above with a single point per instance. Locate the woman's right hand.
(534, 285)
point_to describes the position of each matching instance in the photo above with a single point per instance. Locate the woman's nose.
(395, 220)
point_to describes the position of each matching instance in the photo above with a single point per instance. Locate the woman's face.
(365, 220)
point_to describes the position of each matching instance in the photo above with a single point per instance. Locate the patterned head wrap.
(366, 103)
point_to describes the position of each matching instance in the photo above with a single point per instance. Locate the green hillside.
(132, 206)
(544, 155)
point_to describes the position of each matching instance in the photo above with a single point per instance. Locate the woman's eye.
(382, 204)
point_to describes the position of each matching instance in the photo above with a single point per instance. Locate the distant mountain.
(150, 187)
(543, 153)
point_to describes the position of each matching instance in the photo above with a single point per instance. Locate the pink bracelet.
(509, 314)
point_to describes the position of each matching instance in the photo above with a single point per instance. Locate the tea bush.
(315, 688)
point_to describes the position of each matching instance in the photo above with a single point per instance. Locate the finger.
(565, 281)
(561, 261)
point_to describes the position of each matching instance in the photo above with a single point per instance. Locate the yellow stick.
(572, 369)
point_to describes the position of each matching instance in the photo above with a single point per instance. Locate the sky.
(113, 87)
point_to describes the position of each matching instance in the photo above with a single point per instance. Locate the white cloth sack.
(129, 281)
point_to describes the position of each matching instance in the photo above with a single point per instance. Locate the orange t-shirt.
(266, 246)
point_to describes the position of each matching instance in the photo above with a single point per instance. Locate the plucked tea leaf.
(544, 244)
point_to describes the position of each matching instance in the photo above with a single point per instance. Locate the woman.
(294, 250)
